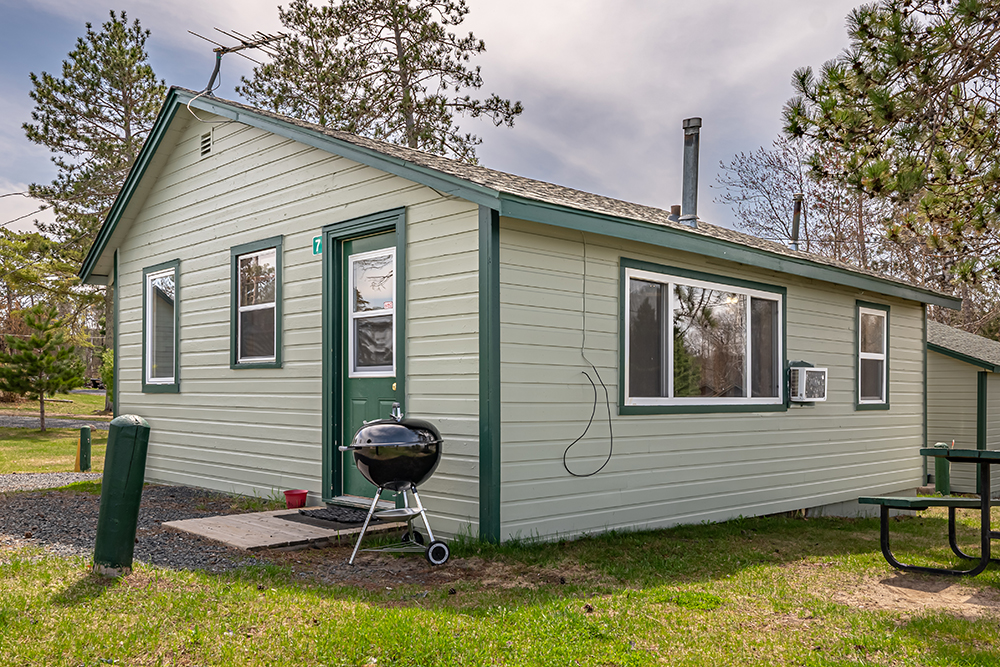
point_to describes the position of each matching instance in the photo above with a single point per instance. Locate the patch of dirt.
(375, 571)
(909, 592)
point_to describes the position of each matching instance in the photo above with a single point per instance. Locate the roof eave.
(961, 356)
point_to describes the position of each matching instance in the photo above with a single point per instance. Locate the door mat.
(330, 517)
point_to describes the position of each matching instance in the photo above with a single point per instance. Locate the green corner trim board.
(507, 204)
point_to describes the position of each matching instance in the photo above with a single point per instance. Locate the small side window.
(160, 328)
(256, 305)
(873, 356)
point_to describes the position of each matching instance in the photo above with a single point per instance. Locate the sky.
(605, 85)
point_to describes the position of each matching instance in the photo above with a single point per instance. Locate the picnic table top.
(964, 455)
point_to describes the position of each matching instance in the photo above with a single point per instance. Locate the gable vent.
(206, 144)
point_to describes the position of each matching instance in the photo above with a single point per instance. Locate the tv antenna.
(258, 40)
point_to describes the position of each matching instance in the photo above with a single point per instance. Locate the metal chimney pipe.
(796, 216)
(689, 192)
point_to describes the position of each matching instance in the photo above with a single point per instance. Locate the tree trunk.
(41, 410)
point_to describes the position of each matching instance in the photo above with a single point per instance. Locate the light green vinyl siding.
(258, 430)
(681, 468)
(951, 413)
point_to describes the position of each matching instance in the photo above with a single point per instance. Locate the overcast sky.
(605, 84)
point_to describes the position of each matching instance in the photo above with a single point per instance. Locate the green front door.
(368, 342)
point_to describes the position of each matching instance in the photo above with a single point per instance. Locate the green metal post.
(942, 472)
(121, 491)
(84, 454)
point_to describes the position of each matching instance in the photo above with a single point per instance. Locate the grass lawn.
(761, 592)
(79, 405)
(30, 450)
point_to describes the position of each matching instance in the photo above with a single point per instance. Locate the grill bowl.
(397, 454)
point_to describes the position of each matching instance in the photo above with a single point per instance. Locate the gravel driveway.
(21, 421)
(64, 523)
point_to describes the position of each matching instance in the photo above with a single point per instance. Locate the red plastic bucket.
(295, 498)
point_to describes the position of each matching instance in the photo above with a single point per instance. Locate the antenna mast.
(258, 40)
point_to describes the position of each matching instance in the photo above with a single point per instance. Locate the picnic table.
(983, 458)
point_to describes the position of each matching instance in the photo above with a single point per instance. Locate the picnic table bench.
(982, 458)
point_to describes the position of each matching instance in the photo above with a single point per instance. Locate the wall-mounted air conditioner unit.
(807, 384)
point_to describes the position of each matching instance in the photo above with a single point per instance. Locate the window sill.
(871, 406)
(244, 365)
(699, 409)
(165, 388)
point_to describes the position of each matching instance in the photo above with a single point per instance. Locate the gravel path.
(64, 523)
(26, 481)
(21, 421)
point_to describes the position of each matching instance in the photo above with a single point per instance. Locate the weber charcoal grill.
(399, 454)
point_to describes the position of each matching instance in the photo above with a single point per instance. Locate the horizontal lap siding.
(668, 469)
(260, 431)
(951, 412)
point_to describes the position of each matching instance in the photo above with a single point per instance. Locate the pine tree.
(913, 107)
(41, 363)
(94, 119)
(385, 69)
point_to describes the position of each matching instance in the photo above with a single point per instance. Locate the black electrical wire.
(611, 448)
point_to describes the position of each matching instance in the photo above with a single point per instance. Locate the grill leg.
(368, 518)
(423, 514)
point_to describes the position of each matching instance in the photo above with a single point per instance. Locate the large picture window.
(256, 304)
(873, 356)
(160, 357)
(692, 341)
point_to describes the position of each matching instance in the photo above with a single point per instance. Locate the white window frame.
(670, 281)
(148, 328)
(240, 309)
(352, 316)
(878, 356)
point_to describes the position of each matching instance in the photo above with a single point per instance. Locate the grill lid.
(392, 433)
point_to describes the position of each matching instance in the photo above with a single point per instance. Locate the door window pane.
(373, 342)
(373, 283)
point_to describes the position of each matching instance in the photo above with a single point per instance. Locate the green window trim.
(235, 253)
(778, 404)
(173, 386)
(859, 307)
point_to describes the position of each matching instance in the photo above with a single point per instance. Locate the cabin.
(963, 397)
(592, 364)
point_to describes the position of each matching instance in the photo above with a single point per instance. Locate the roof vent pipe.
(796, 216)
(689, 192)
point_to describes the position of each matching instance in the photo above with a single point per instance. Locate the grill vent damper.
(399, 454)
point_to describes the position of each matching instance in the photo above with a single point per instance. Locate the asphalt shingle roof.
(964, 343)
(551, 193)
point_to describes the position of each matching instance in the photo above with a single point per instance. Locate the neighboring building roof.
(518, 197)
(962, 345)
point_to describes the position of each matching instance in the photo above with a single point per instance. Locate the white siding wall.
(259, 431)
(951, 413)
(669, 469)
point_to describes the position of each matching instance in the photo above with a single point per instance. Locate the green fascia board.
(508, 205)
(445, 183)
(234, 253)
(985, 365)
(660, 235)
(135, 174)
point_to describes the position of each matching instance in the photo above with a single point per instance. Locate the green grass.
(761, 592)
(24, 450)
(81, 405)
